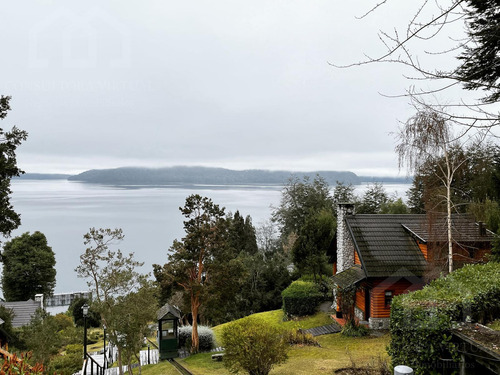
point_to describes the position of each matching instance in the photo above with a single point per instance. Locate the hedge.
(323, 282)
(301, 298)
(421, 321)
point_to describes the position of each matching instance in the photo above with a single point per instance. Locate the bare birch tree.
(425, 139)
(446, 45)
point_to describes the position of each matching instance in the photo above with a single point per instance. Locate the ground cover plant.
(421, 321)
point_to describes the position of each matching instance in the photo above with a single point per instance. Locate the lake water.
(149, 216)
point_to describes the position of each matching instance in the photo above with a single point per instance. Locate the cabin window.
(388, 297)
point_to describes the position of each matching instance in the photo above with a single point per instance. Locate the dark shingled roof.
(23, 311)
(168, 309)
(386, 243)
(464, 229)
(350, 276)
(384, 246)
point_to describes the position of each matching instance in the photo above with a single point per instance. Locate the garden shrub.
(421, 321)
(301, 298)
(205, 335)
(323, 282)
(14, 365)
(74, 348)
(65, 364)
(253, 345)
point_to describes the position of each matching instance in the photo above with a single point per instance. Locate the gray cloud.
(226, 83)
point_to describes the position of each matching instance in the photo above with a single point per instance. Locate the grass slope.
(276, 317)
(163, 368)
(335, 352)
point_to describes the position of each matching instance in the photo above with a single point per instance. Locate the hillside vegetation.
(201, 175)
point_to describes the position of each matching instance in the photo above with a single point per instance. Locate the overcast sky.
(234, 84)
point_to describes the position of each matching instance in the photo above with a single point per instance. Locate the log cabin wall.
(360, 299)
(423, 249)
(356, 258)
(378, 306)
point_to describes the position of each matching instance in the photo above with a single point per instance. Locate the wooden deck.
(324, 330)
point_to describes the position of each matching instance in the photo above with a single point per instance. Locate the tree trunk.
(139, 361)
(195, 304)
(448, 212)
(450, 243)
(119, 360)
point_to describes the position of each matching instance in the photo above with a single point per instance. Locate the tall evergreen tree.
(480, 67)
(314, 237)
(241, 234)
(373, 200)
(190, 261)
(343, 193)
(300, 198)
(9, 141)
(28, 267)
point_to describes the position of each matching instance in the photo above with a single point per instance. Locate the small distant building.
(59, 302)
(23, 311)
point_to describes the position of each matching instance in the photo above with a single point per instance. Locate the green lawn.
(335, 352)
(163, 368)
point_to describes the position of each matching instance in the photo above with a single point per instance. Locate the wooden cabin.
(388, 255)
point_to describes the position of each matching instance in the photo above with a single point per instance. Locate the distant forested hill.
(44, 176)
(202, 175)
(386, 180)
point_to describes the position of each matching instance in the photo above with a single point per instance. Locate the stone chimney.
(482, 229)
(39, 298)
(345, 247)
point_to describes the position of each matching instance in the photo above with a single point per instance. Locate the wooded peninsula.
(205, 175)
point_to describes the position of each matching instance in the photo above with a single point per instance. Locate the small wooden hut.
(168, 331)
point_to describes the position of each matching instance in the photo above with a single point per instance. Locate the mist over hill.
(202, 175)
